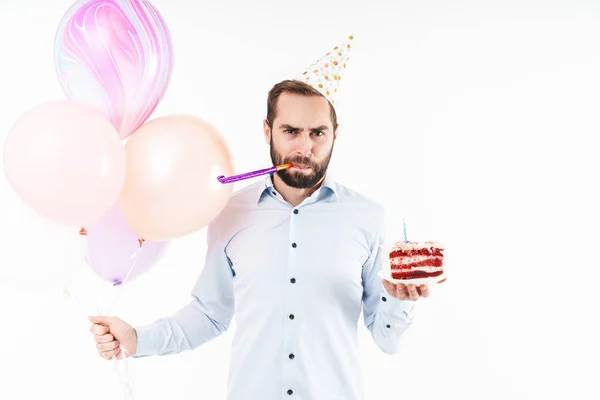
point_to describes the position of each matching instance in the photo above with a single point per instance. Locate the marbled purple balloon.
(115, 55)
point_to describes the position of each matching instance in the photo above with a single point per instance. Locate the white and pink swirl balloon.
(115, 55)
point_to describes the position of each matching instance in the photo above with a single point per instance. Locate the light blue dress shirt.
(296, 279)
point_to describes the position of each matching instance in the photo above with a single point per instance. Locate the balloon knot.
(141, 242)
(83, 232)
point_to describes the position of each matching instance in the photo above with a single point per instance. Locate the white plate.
(418, 281)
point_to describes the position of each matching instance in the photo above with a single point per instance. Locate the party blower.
(253, 174)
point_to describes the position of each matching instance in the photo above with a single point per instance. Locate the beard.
(300, 180)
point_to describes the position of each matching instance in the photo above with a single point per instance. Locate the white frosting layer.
(413, 259)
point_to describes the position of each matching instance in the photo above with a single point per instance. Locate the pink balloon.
(171, 188)
(116, 56)
(114, 251)
(65, 160)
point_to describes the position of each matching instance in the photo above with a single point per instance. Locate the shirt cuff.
(397, 308)
(146, 341)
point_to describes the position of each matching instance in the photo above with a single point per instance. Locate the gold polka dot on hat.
(325, 74)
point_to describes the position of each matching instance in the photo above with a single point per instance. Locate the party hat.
(325, 74)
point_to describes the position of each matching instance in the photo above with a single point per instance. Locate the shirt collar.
(329, 184)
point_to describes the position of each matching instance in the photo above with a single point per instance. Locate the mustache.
(301, 160)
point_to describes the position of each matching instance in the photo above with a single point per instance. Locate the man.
(295, 257)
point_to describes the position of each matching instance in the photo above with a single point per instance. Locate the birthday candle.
(404, 228)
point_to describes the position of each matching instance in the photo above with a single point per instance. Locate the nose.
(305, 148)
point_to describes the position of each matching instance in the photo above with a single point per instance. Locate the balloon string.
(136, 258)
(73, 271)
(125, 375)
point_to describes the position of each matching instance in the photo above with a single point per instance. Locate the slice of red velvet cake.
(414, 260)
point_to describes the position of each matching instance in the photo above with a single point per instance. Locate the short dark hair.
(295, 87)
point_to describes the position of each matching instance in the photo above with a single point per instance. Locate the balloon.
(114, 252)
(116, 56)
(171, 187)
(65, 160)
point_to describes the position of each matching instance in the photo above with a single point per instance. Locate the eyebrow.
(287, 126)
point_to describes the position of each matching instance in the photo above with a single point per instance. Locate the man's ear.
(267, 131)
(335, 132)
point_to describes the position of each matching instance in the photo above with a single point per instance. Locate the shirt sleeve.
(386, 317)
(208, 314)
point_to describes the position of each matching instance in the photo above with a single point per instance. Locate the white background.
(477, 121)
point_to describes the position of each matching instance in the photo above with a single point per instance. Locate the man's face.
(303, 135)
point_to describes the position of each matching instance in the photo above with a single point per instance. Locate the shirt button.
(292, 356)
(294, 245)
(293, 280)
(296, 211)
(388, 326)
(292, 316)
(384, 299)
(290, 392)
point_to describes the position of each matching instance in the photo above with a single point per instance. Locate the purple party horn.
(248, 175)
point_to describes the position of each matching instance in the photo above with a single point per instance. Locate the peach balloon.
(171, 187)
(66, 161)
